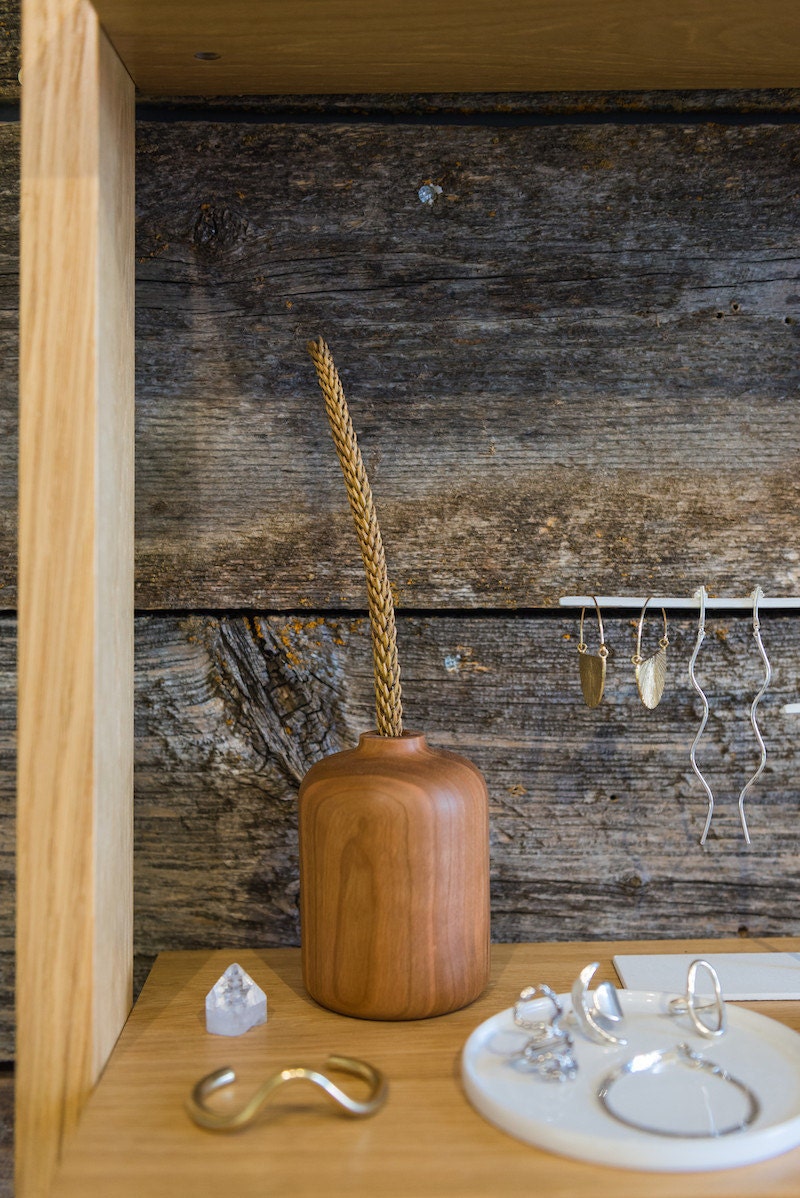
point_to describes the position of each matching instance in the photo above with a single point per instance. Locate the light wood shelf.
(454, 45)
(75, 728)
(135, 1137)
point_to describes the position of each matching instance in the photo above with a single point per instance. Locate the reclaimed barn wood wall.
(576, 370)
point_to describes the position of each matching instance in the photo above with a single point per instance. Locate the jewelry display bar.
(680, 603)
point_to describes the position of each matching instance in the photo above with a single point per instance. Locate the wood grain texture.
(581, 390)
(137, 1139)
(10, 57)
(595, 815)
(458, 45)
(783, 99)
(75, 718)
(558, 102)
(6, 1135)
(9, 354)
(394, 879)
(8, 776)
(568, 369)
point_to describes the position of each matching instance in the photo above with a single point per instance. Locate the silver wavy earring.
(592, 666)
(651, 672)
(757, 594)
(701, 634)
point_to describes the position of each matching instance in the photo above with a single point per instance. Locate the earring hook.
(702, 595)
(582, 646)
(639, 628)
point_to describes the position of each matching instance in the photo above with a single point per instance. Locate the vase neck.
(407, 743)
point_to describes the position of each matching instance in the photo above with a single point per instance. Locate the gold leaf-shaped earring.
(593, 666)
(651, 672)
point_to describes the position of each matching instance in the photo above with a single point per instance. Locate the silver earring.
(702, 595)
(757, 594)
(651, 672)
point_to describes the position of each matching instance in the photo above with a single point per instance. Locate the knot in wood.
(217, 228)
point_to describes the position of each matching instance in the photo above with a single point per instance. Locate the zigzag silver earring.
(593, 666)
(757, 594)
(651, 672)
(702, 595)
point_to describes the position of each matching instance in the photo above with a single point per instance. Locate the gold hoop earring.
(592, 666)
(651, 672)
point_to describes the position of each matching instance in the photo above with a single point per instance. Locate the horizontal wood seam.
(165, 114)
(490, 120)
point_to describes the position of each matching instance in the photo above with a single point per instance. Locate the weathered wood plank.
(570, 368)
(595, 814)
(6, 1135)
(568, 372)
(8, 784)
(10, 59)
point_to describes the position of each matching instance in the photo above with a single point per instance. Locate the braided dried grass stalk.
(388, 701)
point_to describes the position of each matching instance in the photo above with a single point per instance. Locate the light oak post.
(75, 717)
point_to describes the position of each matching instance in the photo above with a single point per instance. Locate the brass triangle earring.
(651, 672)
(593, 666)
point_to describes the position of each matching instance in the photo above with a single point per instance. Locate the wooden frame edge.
(75, 706)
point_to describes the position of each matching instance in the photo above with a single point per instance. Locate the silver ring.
(548, 1051)
(541, 1027)
(597, 1018)
(693, 1007)
(552, 1065)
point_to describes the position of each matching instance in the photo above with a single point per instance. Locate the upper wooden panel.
(457, 45)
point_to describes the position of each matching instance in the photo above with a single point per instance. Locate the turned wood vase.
(394, 879)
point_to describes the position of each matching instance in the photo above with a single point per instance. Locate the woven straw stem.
(388, 700)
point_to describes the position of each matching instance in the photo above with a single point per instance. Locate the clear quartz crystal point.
(235, 1003)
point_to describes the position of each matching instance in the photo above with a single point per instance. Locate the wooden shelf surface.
(135, 1137)
(453, 46)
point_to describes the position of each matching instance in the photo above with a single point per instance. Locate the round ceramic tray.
(568, 1118)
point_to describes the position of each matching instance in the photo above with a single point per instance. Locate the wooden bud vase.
(394, 879)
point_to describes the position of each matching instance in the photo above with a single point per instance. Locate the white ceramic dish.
(567, 1117)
